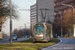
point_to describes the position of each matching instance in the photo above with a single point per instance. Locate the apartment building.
(33, 14)
(60, 9)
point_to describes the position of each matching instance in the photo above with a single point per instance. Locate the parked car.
(14, 37)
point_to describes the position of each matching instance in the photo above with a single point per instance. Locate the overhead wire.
(30, 1)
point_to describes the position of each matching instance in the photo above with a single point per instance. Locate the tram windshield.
(39, 30)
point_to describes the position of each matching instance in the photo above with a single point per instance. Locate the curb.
(52, 45)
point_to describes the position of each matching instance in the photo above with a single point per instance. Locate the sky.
(24, 16)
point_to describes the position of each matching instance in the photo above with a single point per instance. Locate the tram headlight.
(42, 35)
(35, 35)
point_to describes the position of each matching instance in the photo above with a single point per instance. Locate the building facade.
(33, 18)
(35, 12)
(60, 9)
(47, 7)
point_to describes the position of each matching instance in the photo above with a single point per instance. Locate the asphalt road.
(64, 44)
(7, 40)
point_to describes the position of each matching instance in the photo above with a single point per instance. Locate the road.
(7, 40)
(64, 44)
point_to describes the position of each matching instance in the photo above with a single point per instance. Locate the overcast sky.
(24, 15)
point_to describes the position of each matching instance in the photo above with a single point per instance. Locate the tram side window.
(74, 3)
(0, 30)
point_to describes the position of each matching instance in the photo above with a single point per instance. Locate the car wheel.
(16, 38)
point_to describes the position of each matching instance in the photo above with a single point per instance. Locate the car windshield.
(13, 35)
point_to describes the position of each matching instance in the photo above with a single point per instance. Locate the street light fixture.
(73, 17)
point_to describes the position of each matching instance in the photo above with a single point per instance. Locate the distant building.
(33, 18)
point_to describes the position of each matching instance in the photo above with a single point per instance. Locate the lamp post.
(10, 23)
(73, 17)
(25, 27)
(61, 23)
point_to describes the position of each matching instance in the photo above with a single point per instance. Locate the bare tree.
(5, 10)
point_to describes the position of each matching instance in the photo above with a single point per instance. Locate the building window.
(64, 11)
(70, 10)
(54, 0)
(54, 13)
(59, 12)
(74, 3)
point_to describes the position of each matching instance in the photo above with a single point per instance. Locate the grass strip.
(27, 45)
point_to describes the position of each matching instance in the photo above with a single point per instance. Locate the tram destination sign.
(39, 25)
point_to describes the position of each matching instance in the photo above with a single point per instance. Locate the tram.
(42, 32)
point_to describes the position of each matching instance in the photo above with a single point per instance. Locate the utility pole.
(20, 27)
(10, 23)
(25, 28)
(61, 24)
(20, 30)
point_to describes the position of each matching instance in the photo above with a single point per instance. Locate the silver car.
(14, 37)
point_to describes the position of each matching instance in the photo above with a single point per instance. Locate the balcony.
(57, 1)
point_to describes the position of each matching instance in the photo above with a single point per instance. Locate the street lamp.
(61, 22)
(10, 23)
(73, 17)
(26, 25)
